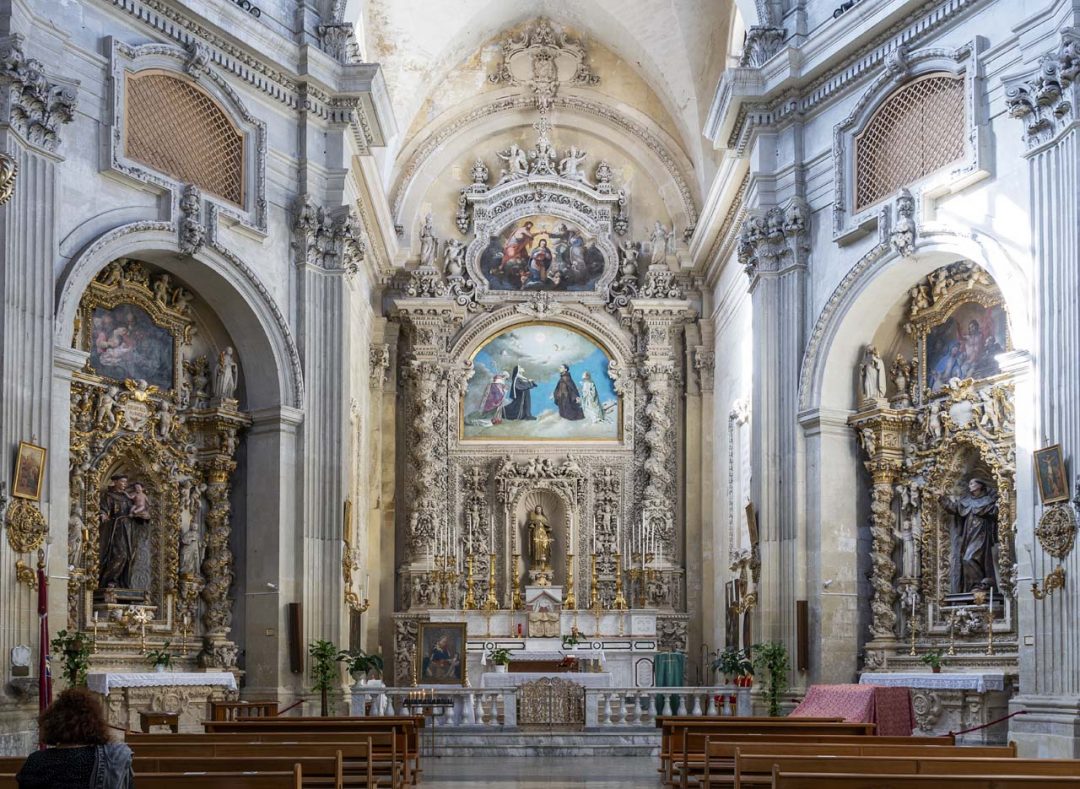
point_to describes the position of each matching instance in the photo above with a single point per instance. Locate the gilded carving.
(26, 526)
(1057, 530)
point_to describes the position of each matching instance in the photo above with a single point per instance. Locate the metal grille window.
(917, 130)
(175, 127)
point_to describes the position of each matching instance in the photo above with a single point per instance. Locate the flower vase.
(936, 669)
(501, 668)
(159, 668)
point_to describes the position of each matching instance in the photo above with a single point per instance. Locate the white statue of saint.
(517, 163)
(570, 165)
(191, 550)
(872, 375)
(590, 399)
(659, 238)
(225, 375)
(454, 257)
(909, 534)
(428, 243)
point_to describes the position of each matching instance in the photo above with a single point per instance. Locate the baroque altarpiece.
(155, 427)
(543, 372)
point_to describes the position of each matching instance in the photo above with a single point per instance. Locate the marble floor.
(540, 772)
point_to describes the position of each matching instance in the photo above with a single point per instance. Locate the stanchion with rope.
(991, 723)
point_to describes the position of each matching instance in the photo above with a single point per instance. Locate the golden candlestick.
(620, 601)
(93, 644)
(594, 585)
(570, 600)
(913, 626)
(445, 575)
(491, 602)
(469, 603)
(989, 630)
(516, 600)
(952, 634)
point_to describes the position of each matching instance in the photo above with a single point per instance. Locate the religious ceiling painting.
(540, 382)
(939, 441)
(542, 252)
(155, 426)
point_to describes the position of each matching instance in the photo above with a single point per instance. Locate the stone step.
(545, 743)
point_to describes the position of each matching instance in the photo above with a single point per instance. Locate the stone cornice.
(747, 99)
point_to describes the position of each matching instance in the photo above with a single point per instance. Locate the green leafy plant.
(771, 660)
(159, 657)
(570, 641)
(499, 656)
(727, 662)
(359, 662)
(75, 656)
(324, 670)
(933, 659)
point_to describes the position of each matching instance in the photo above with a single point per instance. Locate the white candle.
(367, 584)
(913, 608)
(991, 602)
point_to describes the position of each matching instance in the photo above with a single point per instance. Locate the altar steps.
(542, 742)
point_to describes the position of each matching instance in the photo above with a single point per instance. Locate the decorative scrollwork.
(1057, 530)
(8, 170)
(26, 526)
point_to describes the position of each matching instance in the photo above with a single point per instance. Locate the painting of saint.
(542, 253)
(966, 345)
(1050, 469)
(126, 343)
(440, 653)
(29, 472)
(540, 381)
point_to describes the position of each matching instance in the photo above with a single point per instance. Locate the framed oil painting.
(1050, 469)
(440, 653)
(965, 344)
(29, 472)
(126, 343)
(542, 252)
(540, 382)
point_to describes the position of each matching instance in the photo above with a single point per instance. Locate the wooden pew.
(408, 725)
(757, 769)
(674, 732)
(292, 779)
(241, 710)
(719, 750)
(864, 781)
(372, 758)
(318, 771)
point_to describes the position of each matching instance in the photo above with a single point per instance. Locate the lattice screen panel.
(174, 127)
(919, 129)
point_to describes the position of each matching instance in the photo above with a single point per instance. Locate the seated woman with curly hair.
(80, 754)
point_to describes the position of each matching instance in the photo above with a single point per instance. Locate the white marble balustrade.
(638, 707)
(468, 707)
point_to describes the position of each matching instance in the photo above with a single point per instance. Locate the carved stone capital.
(762, 42)
(38, 108)
(1045, 101)
(327, 240)
(775, 241)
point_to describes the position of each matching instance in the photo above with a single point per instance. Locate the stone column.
(33, 111)
(329, 249)
(774, 250)
(1045, 100)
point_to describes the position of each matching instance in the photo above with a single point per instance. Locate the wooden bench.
(293, 779)
(374, 757)
(318, 771)
(757, 769)
(241, 710)
(866, 781)
(709, 753)
(148, 718)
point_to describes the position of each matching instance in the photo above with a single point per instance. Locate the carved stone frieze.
(903, 231)
(38, 107)
(190, 228)
(542, 59)
(625, 286)
(378, 364)
(1045, 101)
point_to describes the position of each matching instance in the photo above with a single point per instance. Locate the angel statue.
(517, 163)
(570, 165)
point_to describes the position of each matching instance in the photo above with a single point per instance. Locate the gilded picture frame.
(1050, 472)
(440, 654)
(29, 472)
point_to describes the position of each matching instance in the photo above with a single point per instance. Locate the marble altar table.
(126, 694)
(953, 701)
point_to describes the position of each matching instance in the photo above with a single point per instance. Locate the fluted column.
(1045, 100)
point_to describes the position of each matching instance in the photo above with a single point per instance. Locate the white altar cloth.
(492, 679)
(980, 683)
(103, 682)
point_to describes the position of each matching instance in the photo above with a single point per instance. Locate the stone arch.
(227, 285)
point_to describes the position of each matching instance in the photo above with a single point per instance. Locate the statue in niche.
(119, 513)
(974, 532)
(908, 534)
(659, 238)
(225, 375)
(428, 243)
(872, 375)
(540, 544)
(191, 550)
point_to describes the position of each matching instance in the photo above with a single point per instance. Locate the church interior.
(490, 393)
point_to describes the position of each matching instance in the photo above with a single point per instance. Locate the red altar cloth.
(889, 708)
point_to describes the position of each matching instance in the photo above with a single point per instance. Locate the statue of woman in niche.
(974, 532)
(540, 542)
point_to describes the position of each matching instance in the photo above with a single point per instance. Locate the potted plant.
(570, 640)
(727, 663)
(933, 660)
(361, 665)
(324, 671)
(75, 656)
(501, 658)
(160, 659)
(771, 659)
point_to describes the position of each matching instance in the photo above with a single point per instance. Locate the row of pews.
(829, 753)
(260, 752)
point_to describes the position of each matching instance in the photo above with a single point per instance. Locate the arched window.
(177, 128)
(917, 130)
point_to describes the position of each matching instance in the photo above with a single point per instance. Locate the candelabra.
(913, 626)
(184, 628)
(570, 600)
(469, 603)
(620, 601)
(594, 585)
(516, 601)
(491, 602)
(952, 634)
(989, 629)
(445, 574)
(1055, 579)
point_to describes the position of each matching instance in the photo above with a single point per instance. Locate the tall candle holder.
(469, 603)
(594, 584)
(989, 629)
(570, 599)
(620, 601)
(445, 575)
(913, 627)
(93, 644)
(952, 634)
(184, 627)
(491, 602)
(516, 600)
